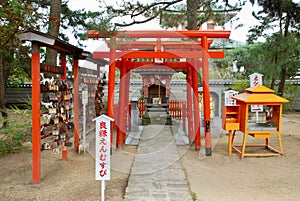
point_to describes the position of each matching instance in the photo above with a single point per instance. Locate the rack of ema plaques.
(257, 113)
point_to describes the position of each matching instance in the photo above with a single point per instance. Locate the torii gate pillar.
(206, 97)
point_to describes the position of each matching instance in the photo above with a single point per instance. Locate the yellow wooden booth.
(257, 113)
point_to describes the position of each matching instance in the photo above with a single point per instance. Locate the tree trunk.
(283, 68)
(2, 94)
(273, 82)
(192, 19)
(282, 81)
(53, 30)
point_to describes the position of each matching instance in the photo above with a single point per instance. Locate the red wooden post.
(190, 106)
(181, 102)
(122, 105)
(111, 85)
(141, 106)
(128, 110)
(76, 105)
(206, 97)
(175, 109)
(170, 108)
(63, 63)
(36, 143)
(196, 107)
(178, 108)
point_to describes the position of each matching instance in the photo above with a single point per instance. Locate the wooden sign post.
(84, 103)
(255, 80)
(102, 152)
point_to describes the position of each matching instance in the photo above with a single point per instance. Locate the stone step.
(157, 109)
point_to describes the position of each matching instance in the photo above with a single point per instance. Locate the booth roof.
(259, 94)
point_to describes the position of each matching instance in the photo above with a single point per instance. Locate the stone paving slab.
(157, 173)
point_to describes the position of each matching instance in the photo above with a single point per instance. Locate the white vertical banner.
(255, 80)
(102, 145)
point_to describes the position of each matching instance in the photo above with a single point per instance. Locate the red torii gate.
(191, 50)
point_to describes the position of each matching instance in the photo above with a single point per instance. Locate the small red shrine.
(156, 86)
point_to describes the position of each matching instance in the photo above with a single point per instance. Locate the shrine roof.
(155, 69)
(47, 40)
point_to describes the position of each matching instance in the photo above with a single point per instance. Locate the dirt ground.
(219, 177)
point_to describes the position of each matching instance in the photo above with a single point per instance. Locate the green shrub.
(18, 131)
(291, 92)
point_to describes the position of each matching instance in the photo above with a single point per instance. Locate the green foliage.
(17, 66)
(268, 58)
(13, 137)
(15, 16)
(81, 20)
(275, 14)
(240, 86)
(179, 76)
(291, 93)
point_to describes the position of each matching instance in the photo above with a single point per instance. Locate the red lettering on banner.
(102, 165)
(102, 173)
(103, 133)
(102, 141)
(102, 157)
(103, 125)
(255, 83)
(103, 149)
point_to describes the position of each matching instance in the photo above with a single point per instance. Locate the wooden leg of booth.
(244, 146)
(230, 142)
(267, 142)
(280, 143)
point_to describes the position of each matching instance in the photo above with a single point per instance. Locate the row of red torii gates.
(126, 48)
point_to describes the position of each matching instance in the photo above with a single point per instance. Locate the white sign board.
(255, 80)
(228, 100)
(84, 97)
(102, 144)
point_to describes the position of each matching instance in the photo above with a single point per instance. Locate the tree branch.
(143, 10)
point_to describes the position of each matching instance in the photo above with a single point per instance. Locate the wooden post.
(127, 109)
(122, 109)
(63, 63)
(190, 106)
(196, 107)
(76, 105)
(111, 85)
(206, 97)
(36, 143)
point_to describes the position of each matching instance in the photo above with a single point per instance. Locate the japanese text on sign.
(255, 80)
(102, 148)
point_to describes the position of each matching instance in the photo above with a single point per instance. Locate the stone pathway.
(157, 173)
